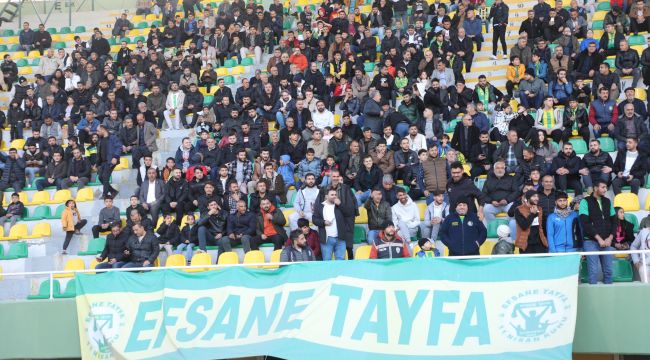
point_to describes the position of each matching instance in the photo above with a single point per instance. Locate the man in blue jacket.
(462, 232)
(109, 150)
(562, 226)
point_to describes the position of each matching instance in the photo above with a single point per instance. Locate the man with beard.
(461, 186)
(597, 165)
(562, 227)
(530, 235)
(389, 245)
(462, 231)
(500, 191)
(348, 204)
(212, 226)
(597, 218)
(299, 250)
(304, 201)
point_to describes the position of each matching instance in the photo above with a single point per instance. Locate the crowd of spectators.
(357, 114)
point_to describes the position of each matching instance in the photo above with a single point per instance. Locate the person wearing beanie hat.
(562, 227)
(426, 249)
(462, 231)
(531, 90)
(389, 244)
(504, 245)
(528, 216)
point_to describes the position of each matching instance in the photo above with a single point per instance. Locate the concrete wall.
(611, 320)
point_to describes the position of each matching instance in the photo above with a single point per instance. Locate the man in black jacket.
(629, 167)
(212, 226)
(481, 155)
(241, 229)
(596, 164)
(500, 190)
(465, 135)
(142, 248)
(460, 185)
(597, 217)
(78, 171)
(176, 193)
(114, 249)
(193, 105)
(566, 168)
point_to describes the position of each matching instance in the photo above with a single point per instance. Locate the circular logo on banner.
(533, 315)
(103, 326)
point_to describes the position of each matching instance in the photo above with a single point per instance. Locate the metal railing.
(275, 265)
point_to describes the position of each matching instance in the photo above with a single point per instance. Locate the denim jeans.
(105, 265)
(372, 236)
(334, 246)
(189, 251)
(361, 198)
(606, 262)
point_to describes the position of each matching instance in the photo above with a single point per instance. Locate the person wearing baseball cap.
(389, 245)
(530, 237)
(462, 231)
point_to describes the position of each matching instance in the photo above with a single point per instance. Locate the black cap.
(387, 224)
(423, 241)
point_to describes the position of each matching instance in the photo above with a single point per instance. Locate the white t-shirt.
(630, 158)
(151, 193)
(328, 215)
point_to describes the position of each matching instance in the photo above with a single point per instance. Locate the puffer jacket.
(309, 167)
(378, 215)
(435, 174)
(595, 163)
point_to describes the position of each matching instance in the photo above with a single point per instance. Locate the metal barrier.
(266, 265)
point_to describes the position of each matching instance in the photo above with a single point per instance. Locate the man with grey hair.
(388, 189)
(500, 190)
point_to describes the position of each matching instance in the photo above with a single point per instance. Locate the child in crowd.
(505, 244)
(426, 249)
(168, 234)
(330, 164)
(189, 238)
(286, 169)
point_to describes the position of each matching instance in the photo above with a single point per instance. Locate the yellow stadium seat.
(228, 258)
(222, 71)
(18, 55)
(56, 37)
(598, 33)
(40, 230)
(640, 94)
(12, 40)
(40, 198)
(1, 277)
(18, 144)
(25, 70)
(639, 48)
(176, 260)
(34, 54)
(466, 169)
(362, 252)
(123, 165)
(72, 264)
(17, 232)
(184, 221)
(337, 119)
(60, 197)
(275, 258)
(254, 257)
(422, 206)
(647, 203)
(486, 248)
(152, 17)
(363, 216)
(628, 201)
(200, 259)
(238, 70)
(599, 15)
(85, 194)
(137, 18)
(93, 264)
(68, 37)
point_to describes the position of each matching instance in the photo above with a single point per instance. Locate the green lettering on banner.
(438, 317)
(345, 293)
(259, 314)
(195, 318)
(475, 307)
(141, 324)
(229, 310)
(291, 309)
(168, 320)
(376, 305)
(408, 312)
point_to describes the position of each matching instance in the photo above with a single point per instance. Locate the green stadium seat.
(15, 47)
(157, 23)
(40, 213)
(139, 38)
(230, 63)
(597, 25)
(369, 67)
(8, 32)
(18, 250)
(228, 80)
(289, 203)
(60, 45)
(51, 30)
(360, 236)
(142, 25)
(207, 100)
(603, 6)
(452, 125)
(579, 146)
(4, 48)
(622, 271)
(607, 144)
(95, 247)
(631, 218)
(57, 214)
(44, 290)
(19, 62)
(70, 291)
(65, 30)
(611, 62)
(247, 61)
(80, 29)
(36, 62)
(636, 40)
(493, 225)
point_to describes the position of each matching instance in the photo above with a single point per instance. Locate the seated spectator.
(406, 215)
(462, 232)
(383, 158)
(135, 217)
(71, 222)
(14, 211)
(303, 202)
(566, 168)
(142, 248)
(629, 125)
(108, 216)
(299, 249)
(168, 234)
(388, 190)
(241, 229)
(630, 168)
(627, 62)
(549, 119)
(274, 184)
(481, 155)
(260, 194)
(531, 90)
(641, 242)
(500, 190)
(368, 177)
(113, 255)
(189, 238)
(379, 212)
(270, 225)
(597, 165)
(241, 169)
(13, 172)
(34, 162)
(389, 244)
(309, 165)
(78, 171)
(624, 231)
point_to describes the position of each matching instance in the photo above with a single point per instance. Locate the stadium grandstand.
(201, 133)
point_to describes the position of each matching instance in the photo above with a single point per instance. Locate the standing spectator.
(499, 16)
(152, 194)
(108, 216)
(71, 223)
(113, 255)
(563, 227)
(529, 218)
(146, 135)
(13, 173)
(109, 150)
(330, 217)
(630, 167)
(434, 215)
(642, 242)
(303, 202)
(142, 248)
(465, 135)
(176, 193)
(462, 231)
(389, 244)
(598, 225)
(461, 186)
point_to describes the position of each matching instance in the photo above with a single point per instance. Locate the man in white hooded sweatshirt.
(406, 215)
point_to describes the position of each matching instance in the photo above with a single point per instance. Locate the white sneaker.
(505, 56)
(493, 57)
